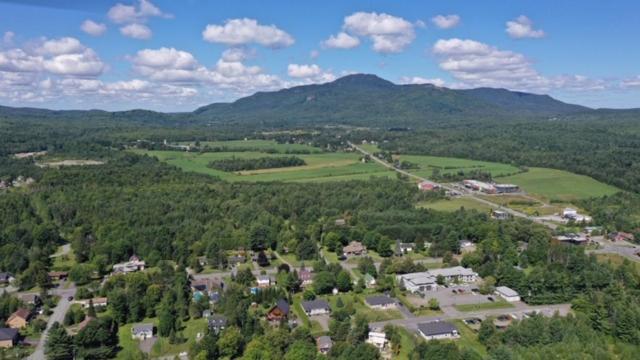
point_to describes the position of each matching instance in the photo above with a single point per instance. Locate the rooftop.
(506, 291)
(8, 334)
(315, 304)
(138, 328)
(436, 328)
(379, 300)
(324, 341)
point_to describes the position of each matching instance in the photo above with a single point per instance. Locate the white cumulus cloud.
(303, 71)
(136, 31)
(477, 64)
(244, 31)
(417, 80)
(341, 41)
(389, 34)
(93, 28)
(522, 27)
(446, 21)
(125, 14)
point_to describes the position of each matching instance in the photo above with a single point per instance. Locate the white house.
(436, 330)
(507, 293)
(264, 281)
(569, 213)
(316, 307)
(142, 331)
(377, 338)
(381, 302)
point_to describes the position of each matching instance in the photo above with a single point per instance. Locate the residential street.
(58, 316)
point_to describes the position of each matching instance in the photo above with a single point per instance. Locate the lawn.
(189, 332)
(257, 145)
(129, 346)
(338, 166)
(313, 325)
(356, 301)
(446, 165)
(63, 262)
(498, 304)
(455, 204)
(469, 339)
(616, 260)
(370, 148)
(557, 185)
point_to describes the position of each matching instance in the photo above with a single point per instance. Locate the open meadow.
(446, 165)
(256, 145)
(559, 186)
(319, 166)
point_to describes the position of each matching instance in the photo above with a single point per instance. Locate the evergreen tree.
(59, 345)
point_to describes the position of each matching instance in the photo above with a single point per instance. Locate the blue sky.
(177, 55)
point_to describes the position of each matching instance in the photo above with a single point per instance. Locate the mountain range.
(358, 100)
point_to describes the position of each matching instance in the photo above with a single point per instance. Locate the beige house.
(19, 319)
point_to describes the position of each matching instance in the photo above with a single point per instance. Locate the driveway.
(146, 344)
(323, 320)
(58, 316)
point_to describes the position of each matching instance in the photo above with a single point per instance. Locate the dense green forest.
(134, 204)
(236, 164)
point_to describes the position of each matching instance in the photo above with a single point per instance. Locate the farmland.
(256, 145)
(559, 186)
(454, 204)
(447, 165)
(320, 166)
(548, 185)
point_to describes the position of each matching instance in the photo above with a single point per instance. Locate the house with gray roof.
(380, 302)
(436, 330)
(316, 307)
(324, 344)
(217, 323)
(8, 337)
(142, 331)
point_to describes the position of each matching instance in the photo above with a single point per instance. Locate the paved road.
(58, 316)
(607, 247)
(622, 248)
(520, 308)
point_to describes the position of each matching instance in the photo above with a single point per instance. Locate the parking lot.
(454, 295)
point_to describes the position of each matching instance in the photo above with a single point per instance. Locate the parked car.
(490, 298)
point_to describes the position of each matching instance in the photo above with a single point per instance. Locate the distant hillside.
(368, 100)
(359, 100)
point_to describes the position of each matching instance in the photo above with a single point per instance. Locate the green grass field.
(451, 165)
(558, 185)
(455, 204)
(257, 144)
(370, 148)
(320, 166)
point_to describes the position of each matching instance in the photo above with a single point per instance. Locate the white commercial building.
(507, 293)
(428, 280)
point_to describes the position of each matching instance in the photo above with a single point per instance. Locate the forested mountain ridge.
(367, 100)
(359, 100)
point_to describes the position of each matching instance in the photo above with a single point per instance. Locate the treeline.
(590, 147)
(239, 164)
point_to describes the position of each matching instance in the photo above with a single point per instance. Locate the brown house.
(354, 248)
(19, 319)
(279, 311)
